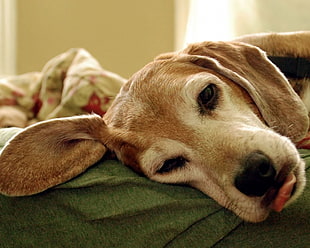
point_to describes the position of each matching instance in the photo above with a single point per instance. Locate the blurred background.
(125, 35)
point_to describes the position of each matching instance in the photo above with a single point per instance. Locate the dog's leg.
(293, 44)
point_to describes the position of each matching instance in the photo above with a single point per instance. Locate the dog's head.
(217, 116)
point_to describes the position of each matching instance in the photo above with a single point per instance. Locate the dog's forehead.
(162, 76)
(152, 89)
(155, 101)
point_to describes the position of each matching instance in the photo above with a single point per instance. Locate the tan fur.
(295, 44)
(156, 118)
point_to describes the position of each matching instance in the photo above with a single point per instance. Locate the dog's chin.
(257, 209)
(247, 208)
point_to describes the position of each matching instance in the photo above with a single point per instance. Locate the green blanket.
(111, 206)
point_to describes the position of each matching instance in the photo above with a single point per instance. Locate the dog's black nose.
(257, 176)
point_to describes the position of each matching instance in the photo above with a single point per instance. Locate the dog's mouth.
(282, 191)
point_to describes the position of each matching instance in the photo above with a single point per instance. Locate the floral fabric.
(72, 83)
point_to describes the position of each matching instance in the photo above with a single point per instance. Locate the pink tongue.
(284, 193)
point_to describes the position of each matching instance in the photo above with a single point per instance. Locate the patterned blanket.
(70, 84)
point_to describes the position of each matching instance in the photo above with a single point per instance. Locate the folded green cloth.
(111, 206)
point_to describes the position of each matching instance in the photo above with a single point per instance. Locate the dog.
(218, 116)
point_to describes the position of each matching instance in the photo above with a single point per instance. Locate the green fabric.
(111, 206)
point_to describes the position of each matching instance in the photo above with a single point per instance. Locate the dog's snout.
(257, 176)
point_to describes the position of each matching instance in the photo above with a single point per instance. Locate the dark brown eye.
(172, 164)
(207, 98)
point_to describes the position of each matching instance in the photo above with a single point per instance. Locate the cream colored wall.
(226, 19)
(270, 16)
(122, 35)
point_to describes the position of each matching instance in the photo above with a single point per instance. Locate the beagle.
(218, 116)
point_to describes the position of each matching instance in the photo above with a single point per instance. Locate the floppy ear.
(50, 153)
(248, 66)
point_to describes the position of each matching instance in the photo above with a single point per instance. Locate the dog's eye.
(172, 164)
(207, 98)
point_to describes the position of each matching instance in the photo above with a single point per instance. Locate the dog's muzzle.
(260, 178)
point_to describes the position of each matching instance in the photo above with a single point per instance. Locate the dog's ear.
(165, 56)
(50, 153)
(249, 67)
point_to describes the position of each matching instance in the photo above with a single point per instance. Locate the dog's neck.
(297, 68)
